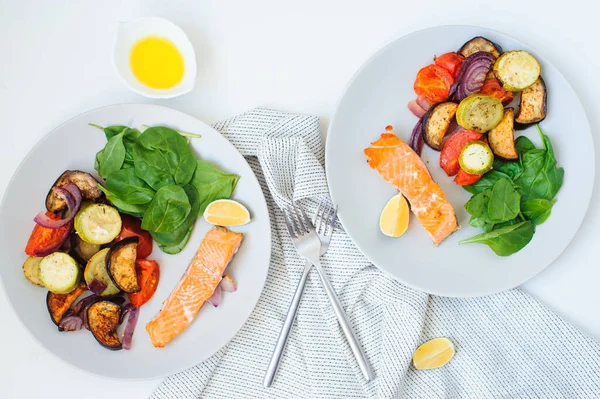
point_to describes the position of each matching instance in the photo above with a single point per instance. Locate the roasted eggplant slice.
(103, 319)
(436, 123)
(480, 43)
(532, 106)
(120, 264)
(502, 137)
(83, 251)
(58, 304)
(86, 183)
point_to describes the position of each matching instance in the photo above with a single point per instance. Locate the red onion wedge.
(423, 103)
(97, 286)
(215, 299)
(71, 194)
(471, 75)
(416, 138)
(416, 109)
(126, 308)
(70, 323)
(227, 284)
(84, 303)
(130, 327)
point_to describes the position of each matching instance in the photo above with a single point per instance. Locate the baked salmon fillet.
(397, 163)
(197, 285)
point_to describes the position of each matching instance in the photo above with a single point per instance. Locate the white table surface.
(55, 62)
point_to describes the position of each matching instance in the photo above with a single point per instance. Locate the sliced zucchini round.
(97, 223)
(96, 269)
(31, 269)
(476, 158)
(59, 273)
(517, 70)
(479, 113)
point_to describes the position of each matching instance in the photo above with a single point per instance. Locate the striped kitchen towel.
(507, 345)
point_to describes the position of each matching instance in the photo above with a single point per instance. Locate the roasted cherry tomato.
(433, 82)
(131, 226)
(492, 87)
(43, 237)
(148, 274)
(451, 150)
(464, 179)
(451, 62)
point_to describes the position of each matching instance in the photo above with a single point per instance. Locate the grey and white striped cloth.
(507, 345)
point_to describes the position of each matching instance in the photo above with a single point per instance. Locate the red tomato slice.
(433, 82)
(464, 179)
(451, 62)
(43, 237)
(148, 274)
(131, 226)
(451, 150)
(492, 87)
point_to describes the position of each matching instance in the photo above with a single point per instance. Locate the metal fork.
(307, 243)
(324, 220)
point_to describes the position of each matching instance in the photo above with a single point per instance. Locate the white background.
(55, 62)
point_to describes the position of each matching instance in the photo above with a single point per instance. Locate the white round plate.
(73, 145)
(377, 96)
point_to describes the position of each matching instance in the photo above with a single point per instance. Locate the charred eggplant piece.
(436, 123)
(532, 105)
(58, 304)
(86, 183)
(502, 137)
(103, 318)
(120, 264)
(83, 251)
(480, 43)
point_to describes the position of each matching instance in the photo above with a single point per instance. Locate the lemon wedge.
(393, 221)
(226, 213)
(433, 354)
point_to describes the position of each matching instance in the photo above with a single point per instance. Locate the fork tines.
(325, 216)
(297, 222)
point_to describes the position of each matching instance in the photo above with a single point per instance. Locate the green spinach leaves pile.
(154, 175)
(514, 197)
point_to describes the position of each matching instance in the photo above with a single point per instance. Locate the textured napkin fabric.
(507, 345)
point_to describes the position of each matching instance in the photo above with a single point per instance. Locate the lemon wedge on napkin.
(433, 354)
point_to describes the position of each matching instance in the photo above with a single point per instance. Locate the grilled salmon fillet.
(397, 163)
(196, 286)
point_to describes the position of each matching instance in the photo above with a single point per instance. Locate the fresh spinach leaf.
(162, 157)
(512, 169)
(112, 156)
(507, 240)
(176, 237)
(511, 222)
(477, 207)
(537, 210)
(130, 137)
(487, 181)
(541, 178)
(523, 144)
(128, 187)
(124, 207)
(504, 203)
(212, 184)
(177, 248)
(168, 209)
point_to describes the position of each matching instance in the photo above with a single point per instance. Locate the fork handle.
(286, 328)
(345, 325)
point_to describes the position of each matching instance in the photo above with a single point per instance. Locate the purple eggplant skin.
(480, 43)
(120, 265)
(416, 137)
(436, 120)
(538, 119)
(103, 319)
(86, 183)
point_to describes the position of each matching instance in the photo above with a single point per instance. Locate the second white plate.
(377, 96)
